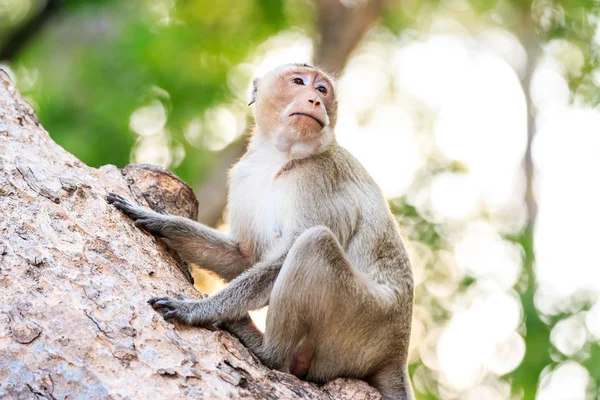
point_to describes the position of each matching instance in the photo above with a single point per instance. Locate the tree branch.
(341, 28)
(537, 331)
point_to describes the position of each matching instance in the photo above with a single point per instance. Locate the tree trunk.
(75, 275)
(537, 332)
(341, 28)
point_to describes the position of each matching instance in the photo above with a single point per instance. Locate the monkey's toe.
(154, 300)
(149, 224)
(172, 315)
(165, 304)
(143, 224)
(168, 304)
(172, 310)
(119, 202)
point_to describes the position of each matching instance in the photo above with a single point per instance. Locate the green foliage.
(115, 56)
(537, 338)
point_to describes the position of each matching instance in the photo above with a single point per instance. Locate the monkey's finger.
(113, 197)
(142, 223)
(170, 303)
(150, 224)
(180, 297)
(166, 305)
(171, 315)
(121, 205)
(160, 304)
(125, 207)
(163, 308)
(153, 300)
(131, 210)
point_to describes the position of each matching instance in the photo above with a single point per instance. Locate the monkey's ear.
(254, 90)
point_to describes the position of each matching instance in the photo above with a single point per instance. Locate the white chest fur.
(261, 209)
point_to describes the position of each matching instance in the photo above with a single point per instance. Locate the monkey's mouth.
(321, 123)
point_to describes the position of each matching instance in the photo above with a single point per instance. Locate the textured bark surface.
(75, 275)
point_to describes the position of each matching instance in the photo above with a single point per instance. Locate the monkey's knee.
(314, 236)
(315, 242)
(314, 259)
(312, 269)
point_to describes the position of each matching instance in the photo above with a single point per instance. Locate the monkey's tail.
(404, 387)
(393, 384)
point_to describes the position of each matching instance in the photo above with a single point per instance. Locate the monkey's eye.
(322, 89)
(298, 81)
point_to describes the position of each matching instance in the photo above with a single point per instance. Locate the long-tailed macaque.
(311, 236)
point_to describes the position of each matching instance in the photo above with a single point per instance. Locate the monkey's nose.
(315, 102)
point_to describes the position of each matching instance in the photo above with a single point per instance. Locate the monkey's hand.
(143, 217)
(187, 312)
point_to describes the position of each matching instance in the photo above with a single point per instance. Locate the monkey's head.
(295, 106)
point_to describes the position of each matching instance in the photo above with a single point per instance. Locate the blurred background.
(478, 118)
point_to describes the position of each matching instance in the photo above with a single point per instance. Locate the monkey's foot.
(184, 311)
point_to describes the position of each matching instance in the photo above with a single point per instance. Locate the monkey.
(311, 236)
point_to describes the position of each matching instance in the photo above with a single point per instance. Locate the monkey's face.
(295, 103)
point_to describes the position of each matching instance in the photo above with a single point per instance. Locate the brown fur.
(311, 236)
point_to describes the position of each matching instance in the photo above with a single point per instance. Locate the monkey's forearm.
(205, 246)
(195, 242)
(249, 291)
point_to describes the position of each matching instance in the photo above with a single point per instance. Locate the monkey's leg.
(249, 291)
(327, 319)
(194, 242)
(245, 330)
(393, 382)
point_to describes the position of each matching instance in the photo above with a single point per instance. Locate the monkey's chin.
(306, 130)
(302, 144)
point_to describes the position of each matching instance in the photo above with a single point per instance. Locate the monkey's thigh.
(324, 321)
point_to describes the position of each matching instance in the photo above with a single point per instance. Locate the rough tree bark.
(75, 275)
